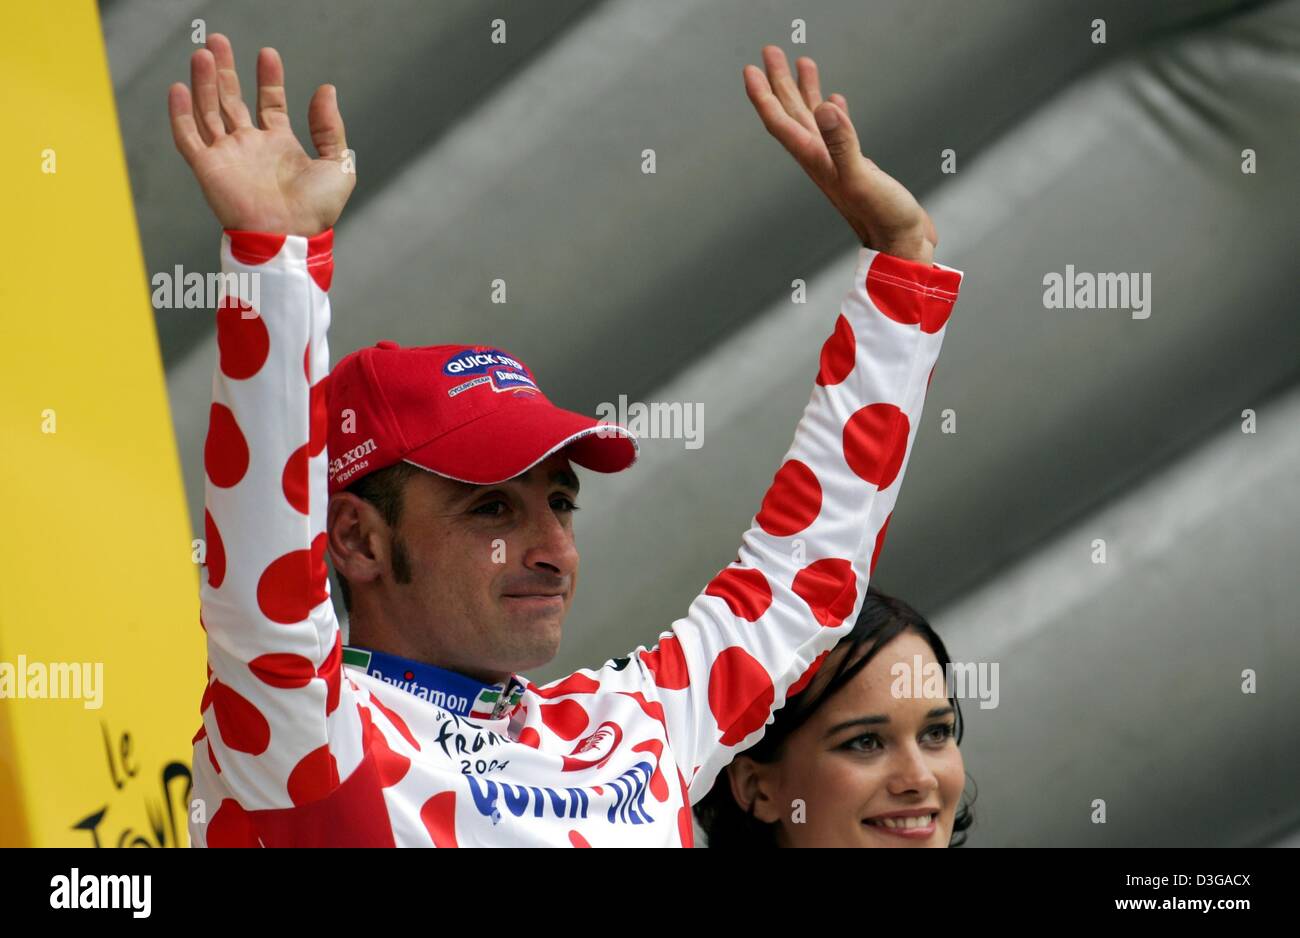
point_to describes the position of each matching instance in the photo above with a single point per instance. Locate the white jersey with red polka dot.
(296, 750)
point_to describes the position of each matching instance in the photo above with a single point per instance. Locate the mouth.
(908, 825)
(535, 600)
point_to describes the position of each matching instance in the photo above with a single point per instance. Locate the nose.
(910, 772)
(550, 545)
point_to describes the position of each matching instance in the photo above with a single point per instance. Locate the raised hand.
(259, 178)
(821, 138)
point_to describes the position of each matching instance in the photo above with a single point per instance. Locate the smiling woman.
(847, 762)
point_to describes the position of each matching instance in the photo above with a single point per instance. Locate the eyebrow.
(879, 719)
(559, 477)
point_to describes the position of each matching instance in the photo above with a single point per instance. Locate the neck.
(362, 633)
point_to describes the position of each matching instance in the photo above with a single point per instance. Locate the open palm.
(820, 136)
(259, 178)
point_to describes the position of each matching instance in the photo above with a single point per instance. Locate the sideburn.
(401, 561)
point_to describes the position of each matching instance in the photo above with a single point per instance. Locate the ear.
(353, 527)
(753, 786)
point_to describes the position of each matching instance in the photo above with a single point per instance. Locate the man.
(445, 501)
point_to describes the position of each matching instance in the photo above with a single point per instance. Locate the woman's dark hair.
(882, 619)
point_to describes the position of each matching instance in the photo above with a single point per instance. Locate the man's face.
(493, 568)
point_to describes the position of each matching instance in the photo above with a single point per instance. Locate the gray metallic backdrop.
(522, 161)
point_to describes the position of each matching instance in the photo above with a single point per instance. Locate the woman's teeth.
(924, 820)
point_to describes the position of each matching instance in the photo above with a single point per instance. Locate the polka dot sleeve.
(280, 729)
(760, 627)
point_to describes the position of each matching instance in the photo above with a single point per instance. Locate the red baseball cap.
(467, 412)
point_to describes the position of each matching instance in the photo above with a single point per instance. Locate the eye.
(563, 503)
(867, 742)
(940, 732)
(486, 508)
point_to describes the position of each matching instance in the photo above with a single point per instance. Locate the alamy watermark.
(1083, 290)
(659, 420)
(181, 289)
(55, 680)
(960, 679)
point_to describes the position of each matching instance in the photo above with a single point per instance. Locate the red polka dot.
(240, 724)
(216, 556)
(746, 591)
(283, 670)
(565, 719)
(667, 663)
(576, 683)
(314, 777)
(807, 675)
(880, 542)
(829, 588)
(530, 737)
(254, 247)
(398, 723)
(231, 826)
(740, 694)
(792, 501)
(652, 708)
(294, 584)
(319, 416)
(201, 734)
(658, 784)
(390, 766)
(577, 839)
(295, 480)
(684, 829)
(875, 441)
(838, 354)
(439, 817)
(225, 452)
(320, 258)
(306, 362)
(910, 293)
(332, 671)
(242, 340)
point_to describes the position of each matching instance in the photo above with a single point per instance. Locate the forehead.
(553, 470)
(872, 690)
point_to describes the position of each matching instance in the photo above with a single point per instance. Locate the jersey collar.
(456, 693)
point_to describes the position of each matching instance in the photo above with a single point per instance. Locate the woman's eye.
(867, 743)
(940, 732)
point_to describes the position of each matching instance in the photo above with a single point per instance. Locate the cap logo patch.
(491, 366)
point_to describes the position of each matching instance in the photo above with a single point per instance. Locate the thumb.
(326, 124)
(841, 139)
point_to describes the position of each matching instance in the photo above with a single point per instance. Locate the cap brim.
(510, 441)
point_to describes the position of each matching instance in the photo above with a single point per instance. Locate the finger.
(232, 104)
(184, 132)
(783, 86)
(804, 145)
(326, 123)
(207, 109)
(272, 106)
(841, 142)
(840, 102)
(809, 82)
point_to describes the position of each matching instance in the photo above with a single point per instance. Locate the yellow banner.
(101, 654)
